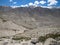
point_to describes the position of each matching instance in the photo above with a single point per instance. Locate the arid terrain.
(28, 22)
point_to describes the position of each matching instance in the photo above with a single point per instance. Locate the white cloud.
(11, 0)
(14, 2)
(47, 7)
(52, 2)
(42, 2)
(36, 2)
(31, 4)
(15, 6)
(24, 5)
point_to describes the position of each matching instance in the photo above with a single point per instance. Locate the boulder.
(50, 41)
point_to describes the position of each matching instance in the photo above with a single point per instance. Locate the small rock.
(39, 43)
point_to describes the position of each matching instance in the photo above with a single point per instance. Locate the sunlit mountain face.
(25, 3)
(29, 20)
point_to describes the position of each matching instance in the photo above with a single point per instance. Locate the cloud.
(20, 6)
(49, 3)
(52, 2)
(24, 5)
(11, 0)
(14, 2)
(47, 7)
(30, 4)
(15, 6)
(36, 2)
(33, 4)
(42, 2)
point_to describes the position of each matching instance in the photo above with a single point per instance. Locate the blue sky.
(25, 3)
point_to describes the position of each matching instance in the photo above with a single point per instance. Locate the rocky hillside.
(33, 22)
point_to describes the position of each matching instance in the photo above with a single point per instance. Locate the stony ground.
(49, 41)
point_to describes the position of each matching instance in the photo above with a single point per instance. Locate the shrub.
(5, 37)
(43, 38)
(4, 20)
(21, 38)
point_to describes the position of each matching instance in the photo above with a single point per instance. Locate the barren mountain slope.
(37, 21)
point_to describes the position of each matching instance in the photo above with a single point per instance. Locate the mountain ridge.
(33, 19)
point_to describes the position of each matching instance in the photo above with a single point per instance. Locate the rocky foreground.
(49, 41)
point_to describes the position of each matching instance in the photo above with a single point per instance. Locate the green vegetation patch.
(21, 38)
(5, 37)
(43, 38)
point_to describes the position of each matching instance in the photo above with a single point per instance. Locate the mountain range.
(29, 21)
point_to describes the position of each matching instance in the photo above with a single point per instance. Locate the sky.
(26, 3)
